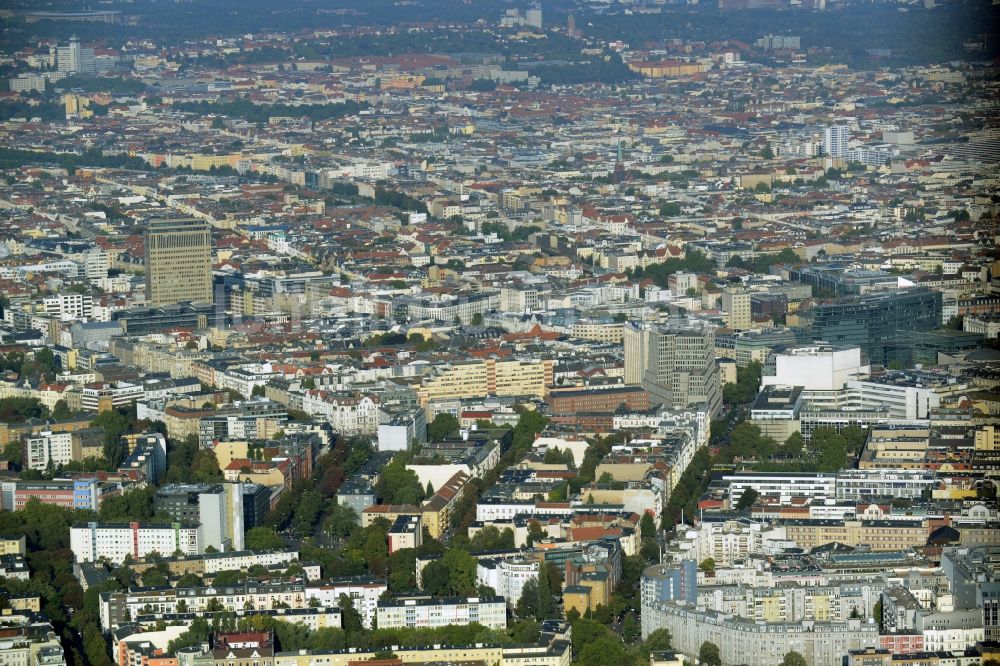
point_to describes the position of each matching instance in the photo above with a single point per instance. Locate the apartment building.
(405, 532)
(507, 577)
(50, 449)
(878, 535)
(895, 447)
(430, 612)
(116, 541)
(435, 513)
(34, 644)
(217, 508)
(75, 58)
(670, 582)
(397, 430)
(255, 419)
(143, 651)
(363, 591)
(556, 653)
(490, 509)
(122, 605)
(15, 431)
(600, 331)
(310, 618)
(77, 493)
(147, 456)
(13, 544)
(748, 641)
(241, 560)
(490, 377)
(68, 306)
(102, 396)
(346, 413)
(444, 308)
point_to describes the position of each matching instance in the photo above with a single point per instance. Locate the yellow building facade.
(489, 377)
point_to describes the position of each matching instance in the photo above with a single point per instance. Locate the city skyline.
(521, 333)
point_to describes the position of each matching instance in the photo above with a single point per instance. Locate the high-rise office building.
(676, 363)
(736, 303)
(835, 141)
(178, 257)
(75, 59)
(635, 340)
(878, 322)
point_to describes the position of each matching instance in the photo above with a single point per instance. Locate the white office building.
(860, 484)
(781, 486)
(904, 401)
(817, 367)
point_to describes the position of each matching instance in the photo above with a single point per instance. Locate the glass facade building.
(843, 279)
(879, 323)
(142, 321)
(925, 345)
